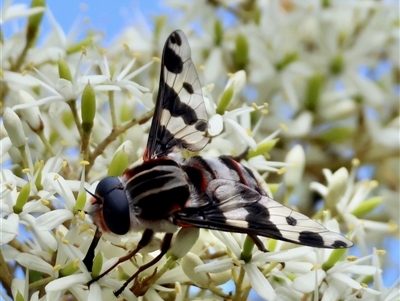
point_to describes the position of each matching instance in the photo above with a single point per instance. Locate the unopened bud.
(88, 107)
(14, 129)
(31, 115)
(189, 262)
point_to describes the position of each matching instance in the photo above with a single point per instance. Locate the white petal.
(294, 172)
(228, 240)
(107, 88)
(95, 293)
(59, 184)
(215, 266)
(347, 280)
(34, 263)
(46, 237)
(65, 88)
(307, 283)
(5, 145)
(53, 219)
(216, 125)
(67, 282)
(259, 283)
(8, 228)
(282, 256)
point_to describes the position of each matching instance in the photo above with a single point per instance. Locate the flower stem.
(5, 275)
(238, 283)
(40, 283)
(114, 134)
(46, 143)
(72, 106)
(112, 109)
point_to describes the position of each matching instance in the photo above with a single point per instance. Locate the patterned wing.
(234, 207)
(180, 117)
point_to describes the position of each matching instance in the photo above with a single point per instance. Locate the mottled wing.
(234, 207)
(180, 117)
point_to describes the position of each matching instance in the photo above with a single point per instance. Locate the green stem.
(5, 275)
(112, 109)
(72, 106)
(114, 135)
(46, 143)
(239, 283)
(23, 156)
(35, 286)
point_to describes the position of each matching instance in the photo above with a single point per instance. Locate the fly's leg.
(144, 241)
(258, 243)
(164, 249)
(88, 260)
(261, 246)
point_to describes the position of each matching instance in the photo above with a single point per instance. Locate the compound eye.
(115, 205)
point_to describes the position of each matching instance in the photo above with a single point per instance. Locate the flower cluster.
(297, 82)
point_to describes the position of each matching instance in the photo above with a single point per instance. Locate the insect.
(166, 192)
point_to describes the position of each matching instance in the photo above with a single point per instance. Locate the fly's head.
(110, 207)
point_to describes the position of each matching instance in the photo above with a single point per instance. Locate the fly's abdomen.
(203, 170)
(157, 188)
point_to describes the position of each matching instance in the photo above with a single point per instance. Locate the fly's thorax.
(155, 190)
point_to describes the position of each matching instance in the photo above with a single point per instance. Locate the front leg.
(144, 241)
(164, 249)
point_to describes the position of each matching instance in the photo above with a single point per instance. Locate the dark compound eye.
(115, 205)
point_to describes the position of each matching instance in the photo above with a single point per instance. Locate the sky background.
(112, 17)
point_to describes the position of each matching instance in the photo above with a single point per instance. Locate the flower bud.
(294, 172)
(225, 99)
(19, 297)
(31, 115)
(337, 133)
(37, 168)
(97, 264)
(262, 148)
(189, 262)
(218, 32)
(241, 53)
(22, 198)
(336, 187)
(314, 88)
(184, 241)
(63, 69)
(367, 206)
(88, 108)
(80, 202)
(118, 164)
(14, 129)
(337, 64)
(34, 21)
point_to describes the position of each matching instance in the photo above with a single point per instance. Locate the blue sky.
(108, 16)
